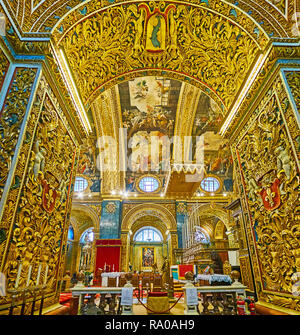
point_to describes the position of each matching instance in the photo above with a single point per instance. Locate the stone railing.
(214, 300)
(220, 300)
(107, 302)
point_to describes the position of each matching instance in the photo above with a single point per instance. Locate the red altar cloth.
(108, 253)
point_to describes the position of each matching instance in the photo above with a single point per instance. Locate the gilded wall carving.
(287, 52)
(269, 170)
(293, 79)
(11, 118)
(41, 16)
(247, 278)
(41, 222)
(4, 64)
(193, 41)
(108, 120)
(9, 208)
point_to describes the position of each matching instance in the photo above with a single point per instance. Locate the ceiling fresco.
(149, 104)
(208, 116)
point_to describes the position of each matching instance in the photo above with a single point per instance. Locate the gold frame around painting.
(154, 257)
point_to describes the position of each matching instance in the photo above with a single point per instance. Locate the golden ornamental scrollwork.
(41, 16)
(277, 52)
(4, 64)
(39, 227)
(183, 39)
(270, 179)
(11, 118)
(293, 79)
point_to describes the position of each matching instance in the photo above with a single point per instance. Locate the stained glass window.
(210, 184)
(148, 184)
(148, 234)
(80, 184)
(71, 233)
(87, 236)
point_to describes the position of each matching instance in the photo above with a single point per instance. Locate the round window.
(210, 184)
(80, 184)
(148, 184)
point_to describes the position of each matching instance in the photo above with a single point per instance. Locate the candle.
(38, 275)
(46, 273)
(18, 275)
(113, 267)
(29, 274)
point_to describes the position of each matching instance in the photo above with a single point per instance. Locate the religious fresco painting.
(87, 167)
(149, 107)
(217, 156)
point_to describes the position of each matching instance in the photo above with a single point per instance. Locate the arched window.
(148, 184)
(71, 233)
(87, 236)
(148, 234)
(80, 184)
(210, 184)
(201, 236)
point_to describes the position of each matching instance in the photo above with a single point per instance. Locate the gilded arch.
(110, 43)
(215, 210)
(89, 212)
(156, 210)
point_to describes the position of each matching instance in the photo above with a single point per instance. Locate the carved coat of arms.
(269, 191)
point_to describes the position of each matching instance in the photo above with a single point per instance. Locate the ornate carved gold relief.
(292, 53)
(12, 116)
(247, 279)
(293, 79)
(4, 64)
(197, 43)
(270, 177)
(107, 115)
(41, 16)
(39, 230)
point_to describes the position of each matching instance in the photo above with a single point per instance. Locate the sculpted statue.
(154, 267)
(38, 163)
(139, 32)
(283, 160)
(253, 188)
(166, 271)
